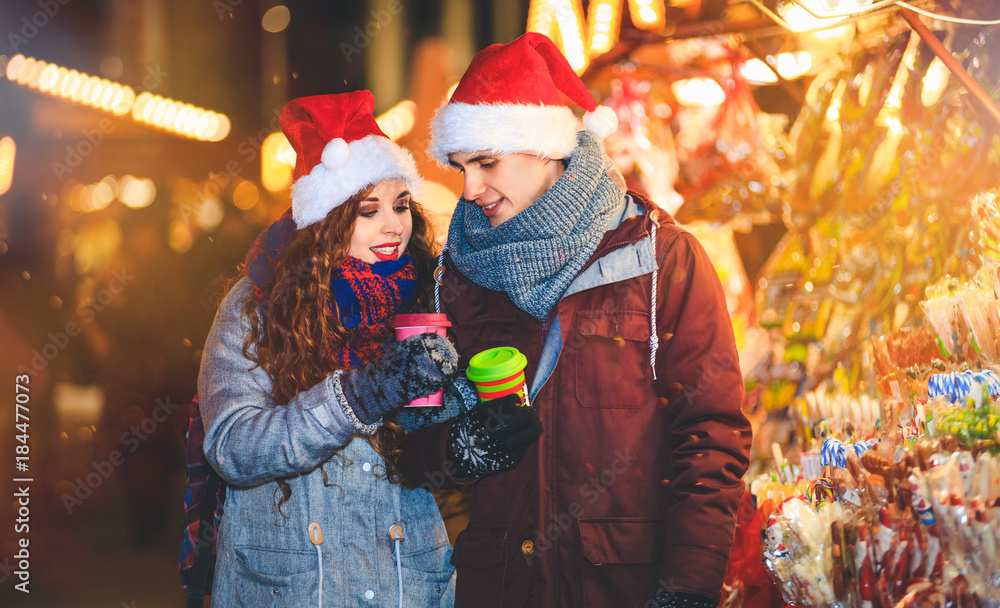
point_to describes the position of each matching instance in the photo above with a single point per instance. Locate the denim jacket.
(265, 559)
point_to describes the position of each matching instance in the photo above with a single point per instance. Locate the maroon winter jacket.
(632, 488)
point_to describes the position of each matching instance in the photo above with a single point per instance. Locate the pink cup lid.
(430, 319)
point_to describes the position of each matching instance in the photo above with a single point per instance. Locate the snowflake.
(467, 448)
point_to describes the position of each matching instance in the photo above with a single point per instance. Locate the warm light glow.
(277, 161)
(698, 92)
(14, 66)
(646, 14)
(210, 215)
(276, 19)
(118, 99)
(540, 19)
(222, 127)
(136, 193)
(245, 195)
(398, 120)
(894, 125)
(834, 8)
(794, 65)
(36, 74)
(48, 78)
(834, 33)
(935, 82)
(562, 21)
(569, 17)
(756, 71)
(7, 152)
(800, 20)
(603, 26)
(179, 237)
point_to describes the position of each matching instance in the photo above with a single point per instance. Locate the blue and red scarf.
(367, 295)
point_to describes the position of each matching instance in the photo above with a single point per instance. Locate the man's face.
(503, 186)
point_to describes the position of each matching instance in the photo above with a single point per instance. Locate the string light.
(7, 152)
(562, 21)
(647, 14)
(603, 25)
(118, 99)
(180, 118)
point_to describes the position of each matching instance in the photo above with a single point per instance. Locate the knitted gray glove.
(492, 437)
(459, 396)
(408, 369)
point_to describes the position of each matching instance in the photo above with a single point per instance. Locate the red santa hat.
(509, 101)
(340, 150)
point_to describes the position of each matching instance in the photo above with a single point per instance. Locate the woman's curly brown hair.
(294, 336)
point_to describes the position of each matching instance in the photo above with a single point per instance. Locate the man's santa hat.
(509, 100)
(339, 151)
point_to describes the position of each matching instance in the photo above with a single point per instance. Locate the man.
(628, 496)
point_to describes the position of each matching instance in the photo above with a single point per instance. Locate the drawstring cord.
(654, 338)
(396, 534)
(438, 279)
(316, 537)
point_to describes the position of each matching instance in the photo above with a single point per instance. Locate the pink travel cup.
(412, 325)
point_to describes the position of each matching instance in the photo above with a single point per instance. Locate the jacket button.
(367, 467)
(527, 547)
(275, 591)
(369, 594)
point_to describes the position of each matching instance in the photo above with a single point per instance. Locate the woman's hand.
(408, 369)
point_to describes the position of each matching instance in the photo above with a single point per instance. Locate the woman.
(297, 382)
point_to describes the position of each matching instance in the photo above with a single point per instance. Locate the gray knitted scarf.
(535, 255)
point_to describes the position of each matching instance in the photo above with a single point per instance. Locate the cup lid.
(430, 319)
(496, 364)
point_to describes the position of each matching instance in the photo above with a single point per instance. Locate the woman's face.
(503, 186)
(384, 223)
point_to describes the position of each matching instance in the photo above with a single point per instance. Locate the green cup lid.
(496, 364)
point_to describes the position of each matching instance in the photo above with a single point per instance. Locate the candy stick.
(901, 564)
(863, 567)
(884, 539)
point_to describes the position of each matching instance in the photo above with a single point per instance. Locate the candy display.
(877, 478)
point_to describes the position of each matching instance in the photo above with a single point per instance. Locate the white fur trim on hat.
(504, 129)
(603, 121)
(367, 162)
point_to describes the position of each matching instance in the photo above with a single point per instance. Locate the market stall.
(869, 337)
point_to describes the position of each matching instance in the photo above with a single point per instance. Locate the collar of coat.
(616, 256)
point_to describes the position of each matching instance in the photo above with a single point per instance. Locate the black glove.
(492, 437)
(408, 369)
(683, 600)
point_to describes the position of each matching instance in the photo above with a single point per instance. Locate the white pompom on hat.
(339, 151)
(510, 100)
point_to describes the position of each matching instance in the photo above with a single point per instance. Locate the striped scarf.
(367, 295)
